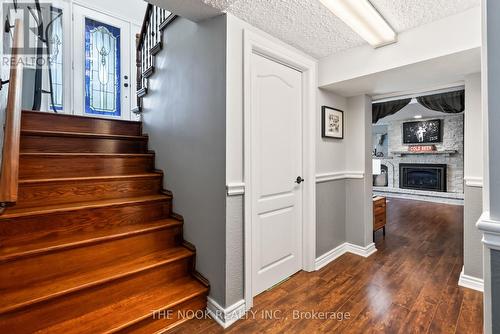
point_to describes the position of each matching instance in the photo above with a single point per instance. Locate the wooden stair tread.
(40, 210)
(133, 309)
(55, 242)
(55, 288)
(96, 178)
(93, 245)
(80, 134)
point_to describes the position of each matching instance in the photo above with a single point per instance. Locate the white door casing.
(79, 15)
(256, 43)
(276, 125)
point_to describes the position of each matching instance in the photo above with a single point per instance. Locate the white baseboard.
(340, 250)
(330, 256)
(471, 282)
(361, 251)
(226, 316)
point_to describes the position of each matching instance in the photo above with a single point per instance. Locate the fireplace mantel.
(445, 153)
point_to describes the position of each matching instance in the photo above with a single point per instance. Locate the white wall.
(443, 37)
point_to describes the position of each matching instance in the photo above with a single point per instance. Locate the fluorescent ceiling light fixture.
(417, 116)
(364, 19)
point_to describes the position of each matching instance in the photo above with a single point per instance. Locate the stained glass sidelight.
(55, 42)
(102, 68)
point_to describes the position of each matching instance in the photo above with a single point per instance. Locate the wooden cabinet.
(379, 214)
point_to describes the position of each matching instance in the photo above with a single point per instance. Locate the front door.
(102, 73)
(276, 162)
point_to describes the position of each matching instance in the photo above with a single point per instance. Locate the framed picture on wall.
(332, 123)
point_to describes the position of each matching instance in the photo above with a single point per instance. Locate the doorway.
(279, 127)
(276, 125)
(102, 72)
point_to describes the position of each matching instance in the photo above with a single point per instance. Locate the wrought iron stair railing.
(149, 43)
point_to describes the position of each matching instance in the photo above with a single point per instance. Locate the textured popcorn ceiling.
(309, 26)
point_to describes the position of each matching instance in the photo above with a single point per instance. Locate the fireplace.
(431, 177)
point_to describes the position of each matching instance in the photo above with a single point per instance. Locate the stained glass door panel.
(102, 68)
(102, 64)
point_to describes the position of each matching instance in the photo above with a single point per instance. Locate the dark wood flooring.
(408, 286)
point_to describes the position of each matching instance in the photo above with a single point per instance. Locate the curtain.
(383, 109)
(452, 102)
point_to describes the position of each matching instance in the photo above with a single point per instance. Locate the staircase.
(92, 244)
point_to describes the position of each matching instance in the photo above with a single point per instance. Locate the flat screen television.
(422, 132)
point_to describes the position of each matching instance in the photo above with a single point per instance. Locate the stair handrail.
(145, 23)
(9, 173)
(148, 42)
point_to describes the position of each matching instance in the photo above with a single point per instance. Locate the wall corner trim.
(340, 250)
(472, 181)
(225, 317)
(490, 229)
(235, 189)
(470, 282)
(332, 176)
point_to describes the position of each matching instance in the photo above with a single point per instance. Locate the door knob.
(299, 180)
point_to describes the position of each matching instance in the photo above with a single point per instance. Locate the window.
(102, 68)
(55, 49)
(43, 74)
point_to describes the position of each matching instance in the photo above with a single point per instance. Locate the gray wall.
(330, 215)
(473, 249)
(185, 115)
(330, 196)
(495, 289)
(473, 171)
(234, 250)
(358, 141)
(355, 211)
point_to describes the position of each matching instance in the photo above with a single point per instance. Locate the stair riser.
(163, 320)
(51, 193)
(54, 311)
(58, 264)
(51, 122)
(27, 229)
(52, 166)
(32, 143)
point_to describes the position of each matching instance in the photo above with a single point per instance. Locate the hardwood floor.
(408, 286)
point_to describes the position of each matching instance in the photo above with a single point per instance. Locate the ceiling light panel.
(364, 19)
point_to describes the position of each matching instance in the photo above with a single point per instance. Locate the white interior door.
(102, 64)
(276, 162)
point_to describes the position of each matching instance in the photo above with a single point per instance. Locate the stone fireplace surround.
(451, 149)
